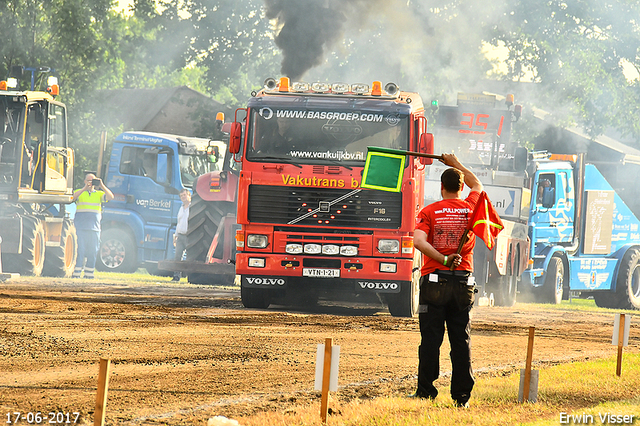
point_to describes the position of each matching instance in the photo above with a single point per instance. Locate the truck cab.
(584, 238)
(146, 172)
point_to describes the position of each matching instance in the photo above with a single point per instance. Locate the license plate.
(320, 273)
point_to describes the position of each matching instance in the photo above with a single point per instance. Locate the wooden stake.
(326, 375)
(621, 327)
(101, 394)
(527, 369)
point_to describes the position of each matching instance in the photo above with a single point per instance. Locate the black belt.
(452, 273)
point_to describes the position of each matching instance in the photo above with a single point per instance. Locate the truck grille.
(363, 209)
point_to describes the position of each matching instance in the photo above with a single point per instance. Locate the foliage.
(574, 50)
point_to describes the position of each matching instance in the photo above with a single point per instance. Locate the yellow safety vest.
(90, 202)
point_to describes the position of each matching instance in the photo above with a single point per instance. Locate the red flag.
(485, 222)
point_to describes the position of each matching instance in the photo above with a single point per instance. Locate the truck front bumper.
(532, 277)
(340, 273)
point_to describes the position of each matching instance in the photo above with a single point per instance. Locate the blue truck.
(584, 238)
(146, 172)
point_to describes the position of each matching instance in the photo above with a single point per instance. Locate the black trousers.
(433, 319)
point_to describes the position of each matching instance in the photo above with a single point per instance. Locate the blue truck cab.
(584, 238)
(146, 172)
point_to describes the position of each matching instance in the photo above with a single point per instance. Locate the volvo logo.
(262, 281)
(379, 286)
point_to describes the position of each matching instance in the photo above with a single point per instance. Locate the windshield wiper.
(280, 159)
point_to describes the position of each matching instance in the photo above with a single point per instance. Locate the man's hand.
(454, 259)
(451, 160)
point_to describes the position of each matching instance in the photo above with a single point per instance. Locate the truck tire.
(504, 287)
(506, 296)
(31, 261)
(117, 252)
(60, 261)
(628, 281)
(255, 298)
(553, 286)
(605, 299)
(204, 219)
(152, 269)
(405, 304)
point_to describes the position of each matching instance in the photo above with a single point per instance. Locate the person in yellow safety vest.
(89, 201)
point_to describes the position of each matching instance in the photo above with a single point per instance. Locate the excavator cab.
(34, 154)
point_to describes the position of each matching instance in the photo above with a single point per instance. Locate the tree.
(574, 49)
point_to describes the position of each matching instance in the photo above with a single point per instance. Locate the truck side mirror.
(520, 159)
(235, 137)
(426, 146)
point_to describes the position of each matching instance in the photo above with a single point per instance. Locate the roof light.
(12, 83)
(339, 87)
(564, 157)
(284, 84)
(391, 88)
(509, 100)
(517, 111)
(359, 88)
(220, 116)
(300, 86)
(53, 90)
(376, 89)
(3, 85)
(319, 87)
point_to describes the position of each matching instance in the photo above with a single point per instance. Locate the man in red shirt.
(446, 295)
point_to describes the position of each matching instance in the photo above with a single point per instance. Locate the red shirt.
(445, 222)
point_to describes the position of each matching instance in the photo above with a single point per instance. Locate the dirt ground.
(182, 353)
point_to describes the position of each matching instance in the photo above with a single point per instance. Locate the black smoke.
(307, 29)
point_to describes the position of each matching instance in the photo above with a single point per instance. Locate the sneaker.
(460, 404)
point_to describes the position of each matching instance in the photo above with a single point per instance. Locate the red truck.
(307, 228)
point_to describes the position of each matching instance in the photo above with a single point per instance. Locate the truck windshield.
(322, 136)
(192, 166)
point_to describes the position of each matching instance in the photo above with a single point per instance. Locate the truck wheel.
(255, 298)
(553, 286)
(31, 261)
(605, 299)
(60, 261)
(506, 296)
(152, 269)
(117, 252)
(405, 304)
(628, 281)
(504, 287)
(204, 219)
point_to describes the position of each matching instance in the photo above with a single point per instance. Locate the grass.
(579, 389)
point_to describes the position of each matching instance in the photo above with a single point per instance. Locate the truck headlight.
(349, 250)
(256, 262)
(388, 267)
(330, 249)
(293, 248)
(388, 246)
(257, 241)
(312, 248)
